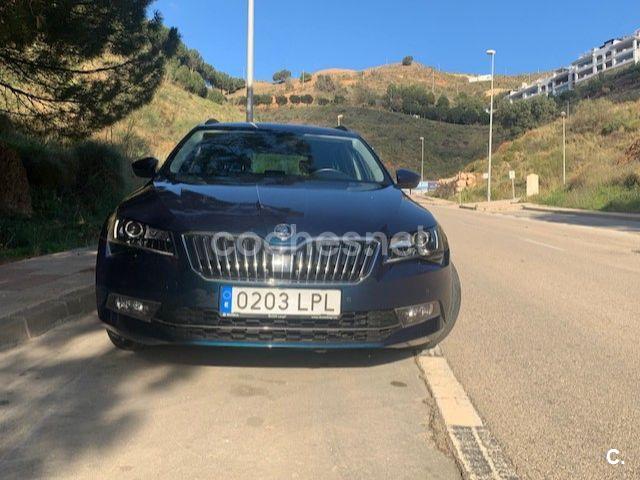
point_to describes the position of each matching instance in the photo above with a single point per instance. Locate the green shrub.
(621, 123)
(307, 99)
(324, 83)
(101, 178)
(216, 96)
(305, 77)
(339, 99)
(408, 60)
(295, 99)
(263, 99)
(281, 100)
(323, 101)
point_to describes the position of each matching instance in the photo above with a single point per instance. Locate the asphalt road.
(71, 406)
(547, 342)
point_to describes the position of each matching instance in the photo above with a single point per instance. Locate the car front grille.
(205, 317)
(325, 261)
(281, 335)
(206, 324)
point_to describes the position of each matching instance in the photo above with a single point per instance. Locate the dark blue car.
(269, 235)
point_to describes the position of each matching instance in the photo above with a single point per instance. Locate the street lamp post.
(422, 163)
(492, 54)
(564, 148)
(340, 119)
(250, 61)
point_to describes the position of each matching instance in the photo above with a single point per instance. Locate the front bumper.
(188, 312)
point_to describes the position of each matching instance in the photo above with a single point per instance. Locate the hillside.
(377, 79)
(396, 137)
(155, 128)
(603, 159)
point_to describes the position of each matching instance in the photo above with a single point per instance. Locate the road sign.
(512, 174)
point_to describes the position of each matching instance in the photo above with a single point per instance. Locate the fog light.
(133, 307)
(417, 313)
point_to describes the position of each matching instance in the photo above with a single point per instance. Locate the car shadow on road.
(272, 358)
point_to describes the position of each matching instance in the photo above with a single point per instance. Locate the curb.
(588, 213)
(33, 321)
(478, 454)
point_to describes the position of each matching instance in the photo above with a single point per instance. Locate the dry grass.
(448, 147)
(157, 127)
(600, 161)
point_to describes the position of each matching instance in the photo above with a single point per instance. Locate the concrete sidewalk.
(41, 292)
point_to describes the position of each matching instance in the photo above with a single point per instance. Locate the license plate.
(279, 302)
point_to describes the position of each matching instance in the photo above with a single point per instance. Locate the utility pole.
(492, 54)
(250, 61)
(564, 148)
(422, 163)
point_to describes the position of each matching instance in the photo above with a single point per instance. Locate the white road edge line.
(478, 454)
(541, 244)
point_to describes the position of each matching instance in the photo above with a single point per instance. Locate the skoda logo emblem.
(283, 231)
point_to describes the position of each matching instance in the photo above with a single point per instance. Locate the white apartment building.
(614, 53)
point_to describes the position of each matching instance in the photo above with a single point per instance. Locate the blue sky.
(449, 34)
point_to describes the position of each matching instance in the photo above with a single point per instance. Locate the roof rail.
(211, 121)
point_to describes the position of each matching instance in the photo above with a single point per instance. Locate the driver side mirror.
(145, 167)
(407, 178)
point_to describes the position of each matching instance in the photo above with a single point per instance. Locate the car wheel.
(123, 343)
(450, 319)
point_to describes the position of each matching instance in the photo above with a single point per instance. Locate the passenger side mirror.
(407, 178)
(145, 167)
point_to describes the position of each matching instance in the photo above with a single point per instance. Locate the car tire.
(452, 316)
(123, 343)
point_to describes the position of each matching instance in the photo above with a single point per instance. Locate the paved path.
(39, 293)
(547, 342)
(73, 407)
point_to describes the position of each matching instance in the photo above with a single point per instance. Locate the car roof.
(280, 127)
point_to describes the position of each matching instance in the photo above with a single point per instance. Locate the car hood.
(313, 207)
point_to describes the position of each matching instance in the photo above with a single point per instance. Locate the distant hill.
(396, 137)
(377, 80)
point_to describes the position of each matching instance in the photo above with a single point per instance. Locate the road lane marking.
(541, 244)
(477, 452)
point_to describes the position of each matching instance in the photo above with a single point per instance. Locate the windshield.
(234, 155)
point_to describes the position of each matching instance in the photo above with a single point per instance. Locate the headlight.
(139, 235)
(427, 244)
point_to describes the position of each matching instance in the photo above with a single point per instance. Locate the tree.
(281, 100)
(306, 99)
(74, 67)
(324, 83)
(264, 99)
(190, 80)
(281, 76)
(522, 115)
(305, 77)
(408, 60)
